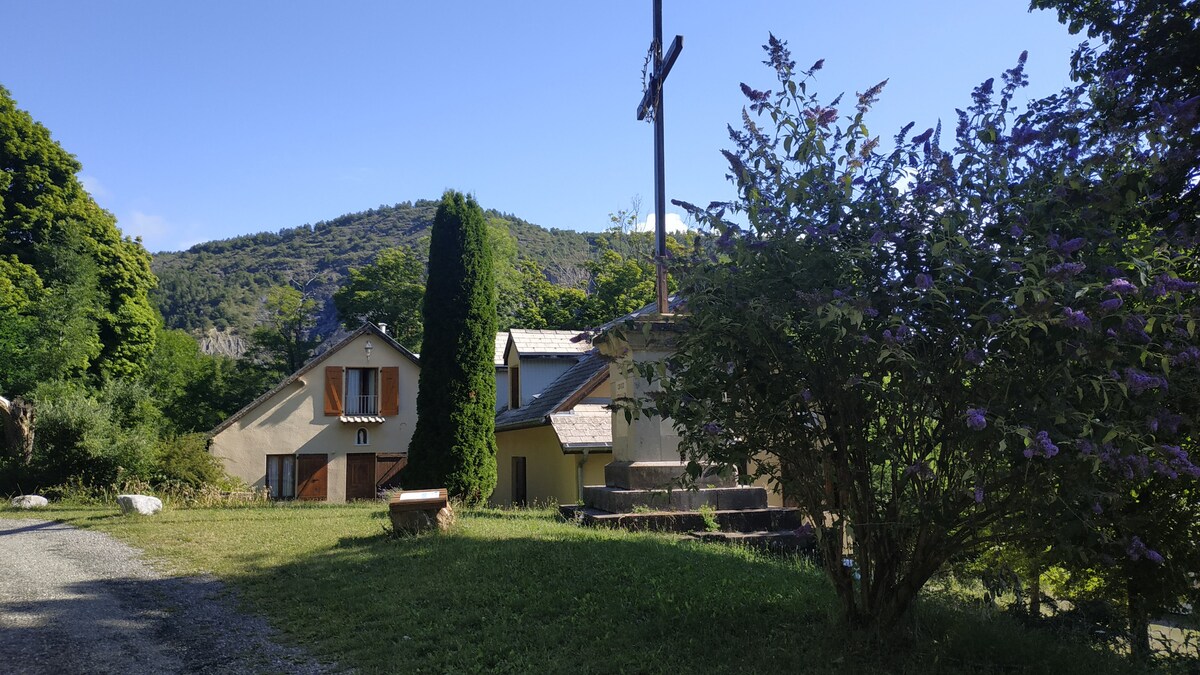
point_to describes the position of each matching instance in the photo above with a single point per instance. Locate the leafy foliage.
(942, 349)
(454, 443)
(74, 295)
(388, 291)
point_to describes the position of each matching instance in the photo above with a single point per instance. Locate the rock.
(417, 521)
(446, 519)
(29, 502)
(143, 504)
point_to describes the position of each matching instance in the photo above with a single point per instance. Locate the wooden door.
(519, 492)
(312, 475)
(360, 475)
(387, 470)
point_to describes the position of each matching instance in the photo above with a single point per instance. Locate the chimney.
(383, 328)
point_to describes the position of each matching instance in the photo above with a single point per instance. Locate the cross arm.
(657, 78)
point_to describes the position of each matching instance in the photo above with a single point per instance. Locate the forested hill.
(221, 284)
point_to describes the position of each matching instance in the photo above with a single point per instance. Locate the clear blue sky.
(206, 120)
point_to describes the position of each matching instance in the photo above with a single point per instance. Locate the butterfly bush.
(933, 350)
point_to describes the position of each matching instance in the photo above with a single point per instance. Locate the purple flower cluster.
(1074, 318)
(712, 428)
(974, 356)
(978, 494)
(898, 336)
(1139, 382)
(1041, 446)
(1065, 270)
(924, 281)
(1111, 305)
(1065, 248)
(977, 419)
(1177, 462)
(1188, 356)
(1164, 284)
(1120, 286)
(1137, 550)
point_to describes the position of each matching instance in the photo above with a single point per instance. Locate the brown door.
(311, 477)
(387, 470)
(360, 475)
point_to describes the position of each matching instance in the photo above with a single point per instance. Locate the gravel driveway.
(74, 601)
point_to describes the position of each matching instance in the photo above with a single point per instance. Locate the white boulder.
(29, 502)
(143, 504)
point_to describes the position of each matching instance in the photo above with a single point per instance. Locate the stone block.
(659, 476)
(422, 520)
(140, 504)
(29, 502)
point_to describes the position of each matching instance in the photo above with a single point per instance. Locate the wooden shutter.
(389, 391)
(333, 390)
(387, 470)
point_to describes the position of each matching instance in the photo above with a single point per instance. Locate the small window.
(360, 438)
(281, 476)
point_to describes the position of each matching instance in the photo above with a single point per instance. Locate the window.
(362, 391)
(281, 476)
(514, 387)
(360, 438)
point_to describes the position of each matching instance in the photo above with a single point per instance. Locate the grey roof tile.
(561, 389)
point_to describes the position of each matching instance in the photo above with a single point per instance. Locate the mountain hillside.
(215, 289)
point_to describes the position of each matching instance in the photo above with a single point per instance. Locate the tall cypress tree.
(454, 444)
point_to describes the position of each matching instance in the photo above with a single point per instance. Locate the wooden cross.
(652, 100)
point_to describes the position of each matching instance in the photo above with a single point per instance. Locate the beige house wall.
(293, 421)
(550, 474)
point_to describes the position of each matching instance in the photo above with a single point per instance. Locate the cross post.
(652, 100)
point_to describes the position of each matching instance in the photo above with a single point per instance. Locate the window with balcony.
(362, 391)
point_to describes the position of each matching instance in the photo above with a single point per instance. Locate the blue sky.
(206, 120)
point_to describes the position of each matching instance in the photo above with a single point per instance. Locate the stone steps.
(773, 519)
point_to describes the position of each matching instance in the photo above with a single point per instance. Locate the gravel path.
(74, 601)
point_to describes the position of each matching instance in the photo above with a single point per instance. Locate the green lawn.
(519, 591)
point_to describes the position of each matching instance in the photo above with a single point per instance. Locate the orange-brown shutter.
(333, 390)
(389, 391)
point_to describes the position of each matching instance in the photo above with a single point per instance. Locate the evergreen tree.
(454, 444)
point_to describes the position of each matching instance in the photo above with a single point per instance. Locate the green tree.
(1001, 351)
(99, 280)
(388, 291)
(454, 443)
(282, 343)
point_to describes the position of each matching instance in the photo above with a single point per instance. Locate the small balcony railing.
(365, 404)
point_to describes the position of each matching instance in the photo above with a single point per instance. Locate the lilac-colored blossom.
(924, 281)
(977, 419)
(870, 312)
(1111, 305)
(1137, 550)
(1076, 319)
(1065, 270)
(1041, 446)
(978, 494)
(1065, 248)
(1096, 508)
(1139, 382)
(806, 394)
(712, 428)
(974, 356)
(1120, 286)
(1016, 231)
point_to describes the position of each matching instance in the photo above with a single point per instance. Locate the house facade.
(336, 430)
(555, 435)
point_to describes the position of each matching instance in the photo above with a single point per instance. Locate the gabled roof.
(498, 354)
(364, 329)
(539, 342)
(579, 378)
(586, 426)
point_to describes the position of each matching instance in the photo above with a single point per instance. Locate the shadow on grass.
(494, 598)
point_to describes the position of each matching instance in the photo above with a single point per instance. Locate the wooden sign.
(419, 500)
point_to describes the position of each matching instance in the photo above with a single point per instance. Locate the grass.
(519, 591)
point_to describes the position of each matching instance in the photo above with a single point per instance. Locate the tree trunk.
(1139, 623)
(1035, 592)
(17, 418)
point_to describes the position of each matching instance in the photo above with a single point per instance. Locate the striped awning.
(362, 419)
